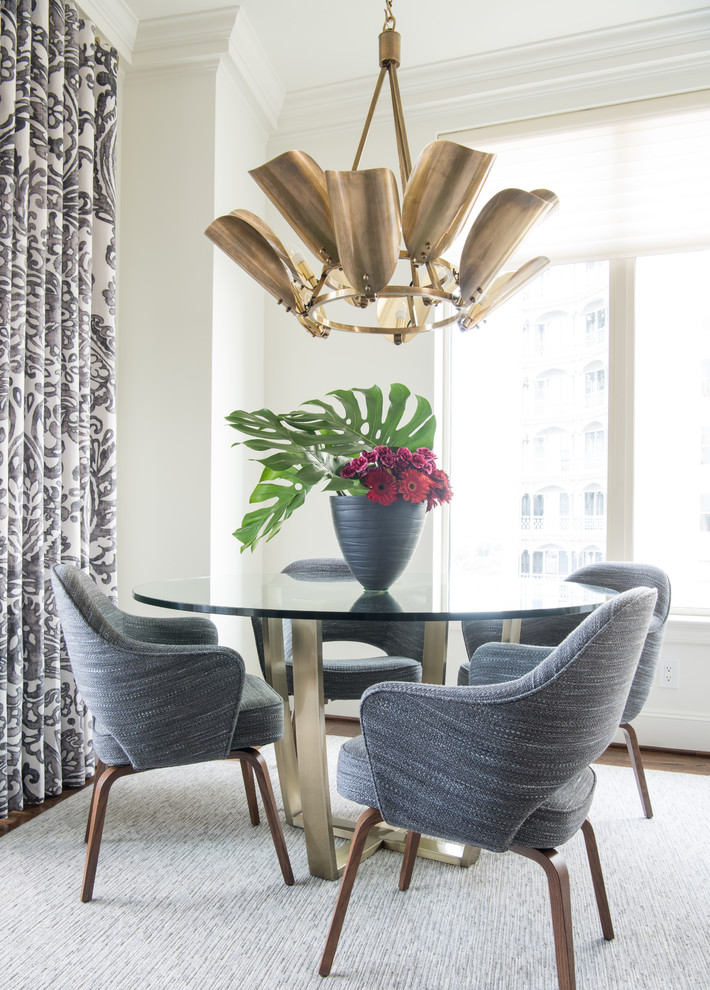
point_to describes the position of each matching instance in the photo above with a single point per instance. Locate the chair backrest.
(404, 639)
(154, 704)
(618, 576)
(471, 764)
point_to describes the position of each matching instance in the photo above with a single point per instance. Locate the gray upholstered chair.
(501, 766)
(163, 693)
(509, 663)
(347, 679)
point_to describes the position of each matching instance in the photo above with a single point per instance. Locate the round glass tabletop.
(414, 596)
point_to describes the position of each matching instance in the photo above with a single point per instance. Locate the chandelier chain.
(390, 22)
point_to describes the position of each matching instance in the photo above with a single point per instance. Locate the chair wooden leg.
(367, 820)
(632, 744)
(257, 763)
(99, 799)
(98, 768)
(250, 791)
(558, 884)
(410, 855)
(595, 867)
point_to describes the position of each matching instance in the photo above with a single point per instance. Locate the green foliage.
(311, 445)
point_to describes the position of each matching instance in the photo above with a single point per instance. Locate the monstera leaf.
(310, 445)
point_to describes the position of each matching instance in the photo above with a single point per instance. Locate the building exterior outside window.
(537, 372)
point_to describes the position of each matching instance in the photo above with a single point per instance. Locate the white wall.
(165, 290)
(237, 346)
(190, 327)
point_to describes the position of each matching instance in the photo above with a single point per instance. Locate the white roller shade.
(632, 179)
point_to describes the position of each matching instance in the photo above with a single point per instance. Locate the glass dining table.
(415, 597)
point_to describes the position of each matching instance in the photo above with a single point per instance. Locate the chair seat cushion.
(346, 680)
(560, 815)
(354, 774)
(261, 715)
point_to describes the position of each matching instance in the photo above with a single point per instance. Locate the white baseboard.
(669, 730)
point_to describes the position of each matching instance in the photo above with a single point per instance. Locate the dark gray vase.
(377, 541)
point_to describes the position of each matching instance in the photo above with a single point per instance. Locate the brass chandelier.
(352, 223)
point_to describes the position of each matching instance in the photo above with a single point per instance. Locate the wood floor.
(616, 755)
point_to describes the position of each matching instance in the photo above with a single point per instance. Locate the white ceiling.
(315, 42)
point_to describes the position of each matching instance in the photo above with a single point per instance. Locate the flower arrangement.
(398, 474)
(358, 445)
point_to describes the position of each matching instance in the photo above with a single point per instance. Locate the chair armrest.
(469, 754)
(164, 705)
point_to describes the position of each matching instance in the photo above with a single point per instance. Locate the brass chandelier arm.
(405, 159)
(368, 119)
(390, 49)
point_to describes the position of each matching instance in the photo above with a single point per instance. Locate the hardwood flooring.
(616, 755)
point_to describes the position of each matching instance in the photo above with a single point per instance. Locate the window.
(594, 386)
(594, 445)
(672, 437)
(594, 503)
(568, 450)
(595, 323)
(633, 183)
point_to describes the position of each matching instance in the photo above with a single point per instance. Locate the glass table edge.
(420, 615)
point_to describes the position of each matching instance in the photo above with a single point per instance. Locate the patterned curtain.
(57, 418)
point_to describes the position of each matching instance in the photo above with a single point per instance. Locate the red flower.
(440, 490)
(387, 456)
(354, 467)
(424, 459)
(414, 486)
(383, 488)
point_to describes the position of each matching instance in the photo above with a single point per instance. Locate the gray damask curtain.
(57, 416)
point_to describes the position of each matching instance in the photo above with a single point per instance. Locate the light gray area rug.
(189, 895)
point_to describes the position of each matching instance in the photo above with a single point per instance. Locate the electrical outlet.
(669, 674)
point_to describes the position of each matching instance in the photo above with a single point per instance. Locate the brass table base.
(387, 837)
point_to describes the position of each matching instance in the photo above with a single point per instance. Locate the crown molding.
(634, 61)
(114, 20)
(204, 42)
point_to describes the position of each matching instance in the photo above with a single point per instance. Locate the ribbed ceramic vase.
(377, 541)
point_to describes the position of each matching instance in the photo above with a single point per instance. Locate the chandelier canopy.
(353, 224)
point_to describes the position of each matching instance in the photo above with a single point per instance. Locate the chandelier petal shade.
(439, 196)
(297, 187)
(353, 224)
(252, 244)
(502, 289)
(496, 233)
(368, 228)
